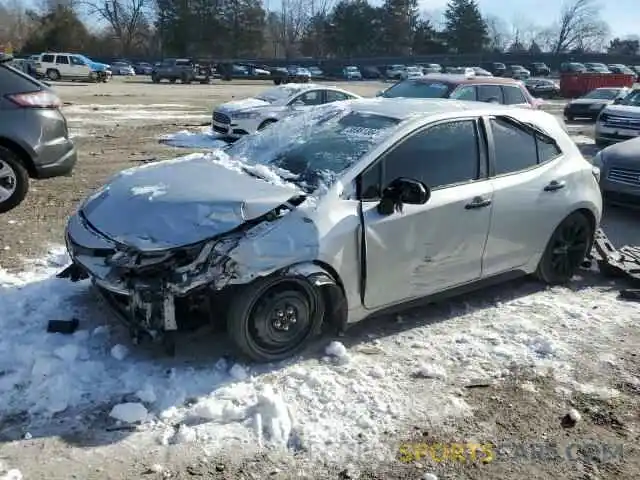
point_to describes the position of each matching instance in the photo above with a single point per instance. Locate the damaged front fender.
(335, 300)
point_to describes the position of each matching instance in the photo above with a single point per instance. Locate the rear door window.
(513, 96)
(62, 60)
(490, 93)
(14, 81)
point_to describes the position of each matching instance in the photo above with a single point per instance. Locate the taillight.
(40, 99)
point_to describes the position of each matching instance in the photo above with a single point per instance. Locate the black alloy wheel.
(566, 250)
(275, 317)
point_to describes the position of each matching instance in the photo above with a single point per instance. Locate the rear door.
(63, 64)
(490, 94)
(331, 96)
(515, 96)
(531, 184)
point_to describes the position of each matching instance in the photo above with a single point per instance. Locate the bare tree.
(498, 33)
(579, 25)
(15, 24)
(523, 32)
(126, 18)
(294, 17)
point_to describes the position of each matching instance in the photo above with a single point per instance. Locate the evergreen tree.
(465, 28)
(400, 22)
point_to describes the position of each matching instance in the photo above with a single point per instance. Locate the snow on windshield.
(313, 148)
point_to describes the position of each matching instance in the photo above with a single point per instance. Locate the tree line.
(297, 28)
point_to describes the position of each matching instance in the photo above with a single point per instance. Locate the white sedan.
(242, 117)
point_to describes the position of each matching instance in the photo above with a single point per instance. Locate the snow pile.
(203, 139)
(129, 412)
(339, 407)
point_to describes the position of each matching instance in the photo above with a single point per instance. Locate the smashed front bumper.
(142, 289)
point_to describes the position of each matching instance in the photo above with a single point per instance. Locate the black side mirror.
(400, 191)
(617, 101)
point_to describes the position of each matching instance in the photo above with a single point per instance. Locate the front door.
(79, 68)
(428, 248)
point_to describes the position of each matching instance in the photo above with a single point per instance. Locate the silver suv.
(34, 139)
(337, 213)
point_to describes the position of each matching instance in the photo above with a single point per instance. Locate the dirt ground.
(509, 414)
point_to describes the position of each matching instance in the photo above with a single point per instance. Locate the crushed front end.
(145, 289)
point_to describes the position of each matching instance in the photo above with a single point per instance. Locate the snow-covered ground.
(202, 138)
(345, 404)
(83, 116)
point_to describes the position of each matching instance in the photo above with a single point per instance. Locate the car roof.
(303, 87)
(462, 79)
(404, 108)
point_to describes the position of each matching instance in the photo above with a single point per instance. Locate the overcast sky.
(623, 16)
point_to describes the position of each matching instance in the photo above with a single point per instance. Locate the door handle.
(555, 185)
(478, 202)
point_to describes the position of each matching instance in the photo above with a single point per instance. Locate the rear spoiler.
(5, 57)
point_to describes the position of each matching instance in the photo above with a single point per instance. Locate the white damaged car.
(343, 211)
(241, 117)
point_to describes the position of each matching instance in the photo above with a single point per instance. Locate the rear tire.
(566, 250)
(274, 318)
(14, 180)
(53, 75)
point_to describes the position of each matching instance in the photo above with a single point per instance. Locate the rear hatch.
(19, 90)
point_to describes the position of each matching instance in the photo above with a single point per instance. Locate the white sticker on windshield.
(360, 132)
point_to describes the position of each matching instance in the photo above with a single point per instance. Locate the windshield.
(632, 100)
(85, 59)
(277, 94)
(351, 69)
(418, 89)
(313, 148)
(603, 94)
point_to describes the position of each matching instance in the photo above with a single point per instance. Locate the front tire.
(14, 180)
(566, 250)
(275, 317)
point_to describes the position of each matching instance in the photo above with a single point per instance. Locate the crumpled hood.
(624, 110)
(179, 202)
(244, 104)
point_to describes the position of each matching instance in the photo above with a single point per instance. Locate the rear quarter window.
(47, 58)
(13, 81)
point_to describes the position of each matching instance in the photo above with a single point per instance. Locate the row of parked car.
(615, 68)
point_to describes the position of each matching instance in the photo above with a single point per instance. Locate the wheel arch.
(22, 154)
(327, 279)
